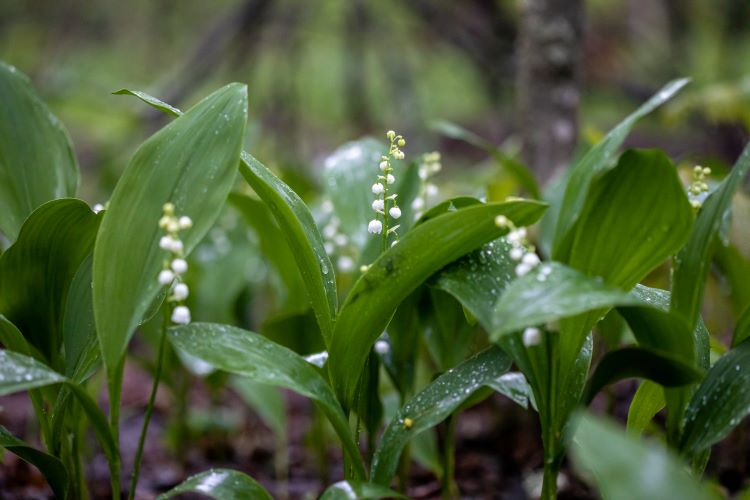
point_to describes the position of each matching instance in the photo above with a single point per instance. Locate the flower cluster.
(521, 250)
(379, 225)
(176, 265)
(429, 166)
(698, 186)
(336, 242)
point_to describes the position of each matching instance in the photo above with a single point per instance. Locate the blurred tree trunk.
(548, 79)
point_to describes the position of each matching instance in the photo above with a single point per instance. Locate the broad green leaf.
(191, 163)
(151, 100)
(478, 279)
(636, 216)
(425, 249)
(251, 355)
(13, 340)
(515, 387)
(599, 158)
(303, 237)
(692, 263)
(660, 330)
(433, 404)
(300, 231)
(221, 484)
(51, 467)
(21, 373)
(720, 403)
(352, 490)
(624, 467)
(79, 331)
(647, 402)
(447, 335)
(273, 246)
(549, 293)
(37, 270)
(628, 362)
(348, 176)
(37, 163)
(523, 175)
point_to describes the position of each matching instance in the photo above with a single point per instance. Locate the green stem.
(448, 487)
(385, 212)
(551, 436)
(149, 407)
(115, 392)
(549, 483)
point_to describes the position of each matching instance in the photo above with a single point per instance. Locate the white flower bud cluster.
(698, 187)
(385, 204)
(521, 251)
(429, 166)
(176, 265)
(336, 242)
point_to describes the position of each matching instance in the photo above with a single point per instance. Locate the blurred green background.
(321, 72)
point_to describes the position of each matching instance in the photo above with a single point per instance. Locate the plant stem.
(385, 212)
(149, 407)
(115, 389)
(549, 483)
(448, 487)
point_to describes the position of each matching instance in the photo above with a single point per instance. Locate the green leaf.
(691, 264)
(425, 249)
(515, 387)
(21, 373)
(300, 231)
(273, 246)
(150, 100)
(251, 355)
(36, 272)
(647, 402)
(549, 293)
(628, 362)
(79, 330)
(353, 490)
(478, 279)
(348, 176)
(221, 484)
(720, 403)
(636, 216)
(660, 330)
(433, 404)
(599, 159)
(191, 163)
(266, 401)
(51, 467)
(624, 467)
(37, 162)
(522, 174)
(302, 236)
(13, 339)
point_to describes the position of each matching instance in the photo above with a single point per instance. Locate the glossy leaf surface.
(37, 162)
(352, 490)
(721, 401)
(624, 467)
(253, 356)
(433, 404)
(191, 162)
(691, 264)
(551, 292)
(400, 270)
(21, 373)
(599, 159)
(221, 484)
(37, 271)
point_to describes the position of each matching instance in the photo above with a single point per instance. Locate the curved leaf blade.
(151, 101)
(629, 362)
(37, 162)
(191, 163)
(21, 373)
(691, 264)
(253, 356)
(221, 484)
(720, 402)
(647, 402)
(50, 466)
(37, 270)
(624, 467)
(435, 403)
(400, 270)
(552, 292)
(599, 159)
